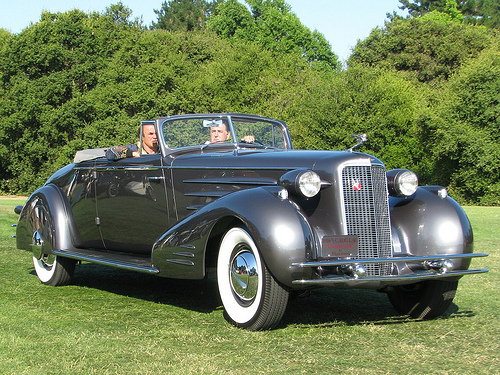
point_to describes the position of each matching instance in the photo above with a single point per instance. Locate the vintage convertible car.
(265, 219)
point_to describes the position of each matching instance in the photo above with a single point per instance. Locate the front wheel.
(252, 298)
(425, 300)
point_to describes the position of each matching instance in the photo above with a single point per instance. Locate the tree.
(465, 134)
(120, 14)
(383, 104)
(418, 8)
(45, 72)
(74, 81)
(186, 15)
(271, 24)
(480, 12)
(427, 48)
(4, 37)
(232, 20)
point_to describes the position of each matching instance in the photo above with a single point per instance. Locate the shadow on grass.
(323, 307)
(349, 307)
(195, 295)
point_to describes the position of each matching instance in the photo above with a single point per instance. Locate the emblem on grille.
(356, 185)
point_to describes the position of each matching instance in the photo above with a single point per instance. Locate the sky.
(342, 22)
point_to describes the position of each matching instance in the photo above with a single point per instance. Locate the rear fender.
(277, 226)
(426, 224)
(54, 203)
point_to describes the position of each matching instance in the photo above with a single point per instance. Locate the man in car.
(149, 145)
(221, 133)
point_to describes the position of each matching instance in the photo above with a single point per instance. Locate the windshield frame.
(230, 120)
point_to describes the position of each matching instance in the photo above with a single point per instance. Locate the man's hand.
(248, 139)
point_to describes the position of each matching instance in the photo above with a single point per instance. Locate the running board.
(118, 260)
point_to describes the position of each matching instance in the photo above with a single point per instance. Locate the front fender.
(426, 224)
(277, 226)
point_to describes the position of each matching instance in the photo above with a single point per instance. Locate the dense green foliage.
(425, 89)
(272, 25)
(184, 15)
(456, 127)
(425, 47)
(480, 12)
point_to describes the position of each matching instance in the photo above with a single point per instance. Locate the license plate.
(340, 246)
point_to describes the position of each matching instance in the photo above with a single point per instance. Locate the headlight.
(402, 182)
(305, 183)
(309, 184)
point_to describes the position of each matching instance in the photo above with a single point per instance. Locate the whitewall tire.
(252, 298)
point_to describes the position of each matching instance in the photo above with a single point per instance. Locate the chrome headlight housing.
(402, 182)
(305, 183)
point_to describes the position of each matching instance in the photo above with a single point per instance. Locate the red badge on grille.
(356, 186)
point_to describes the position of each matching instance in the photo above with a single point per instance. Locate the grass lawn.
(111, 321)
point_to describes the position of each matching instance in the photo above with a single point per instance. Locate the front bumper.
(351, 273)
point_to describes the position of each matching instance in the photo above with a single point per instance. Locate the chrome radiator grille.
(366, 208)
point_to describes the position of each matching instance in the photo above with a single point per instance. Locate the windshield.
(190, 131)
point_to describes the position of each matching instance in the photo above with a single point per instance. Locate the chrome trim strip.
(195, 207)
(184, 254)
(209, 194)
(122, 168)
(235, 168)
(127, 168)
(361, 280)
(232, 181)
(183, 262)
(109, 262)
(343, 262)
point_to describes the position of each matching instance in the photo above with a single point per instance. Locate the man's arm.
(121, 152)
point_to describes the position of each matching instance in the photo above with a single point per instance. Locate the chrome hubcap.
(38, 248)
(37, 245)
(244, 276)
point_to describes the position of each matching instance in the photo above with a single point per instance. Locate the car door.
(82, 198)
(132, 209)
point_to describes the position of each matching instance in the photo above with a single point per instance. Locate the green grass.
(111, 321)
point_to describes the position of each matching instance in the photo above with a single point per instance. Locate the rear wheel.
(50, 269)
(425, 300)
(252, 298)
(54, 270)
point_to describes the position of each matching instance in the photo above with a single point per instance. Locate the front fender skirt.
(425, 225)
(277, 226)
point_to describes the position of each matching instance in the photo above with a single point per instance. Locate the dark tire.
(50, 269)
(54, 270)
(252, 298)
(425, 300)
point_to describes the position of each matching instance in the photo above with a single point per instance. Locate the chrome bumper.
(353, 272)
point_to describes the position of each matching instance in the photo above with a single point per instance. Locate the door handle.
(156, 178)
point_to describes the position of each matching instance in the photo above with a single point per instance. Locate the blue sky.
(342, 22)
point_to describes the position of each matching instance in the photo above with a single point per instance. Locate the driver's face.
(219, 134)
(149, 138)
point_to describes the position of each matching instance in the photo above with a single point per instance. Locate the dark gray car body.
(165, 214)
